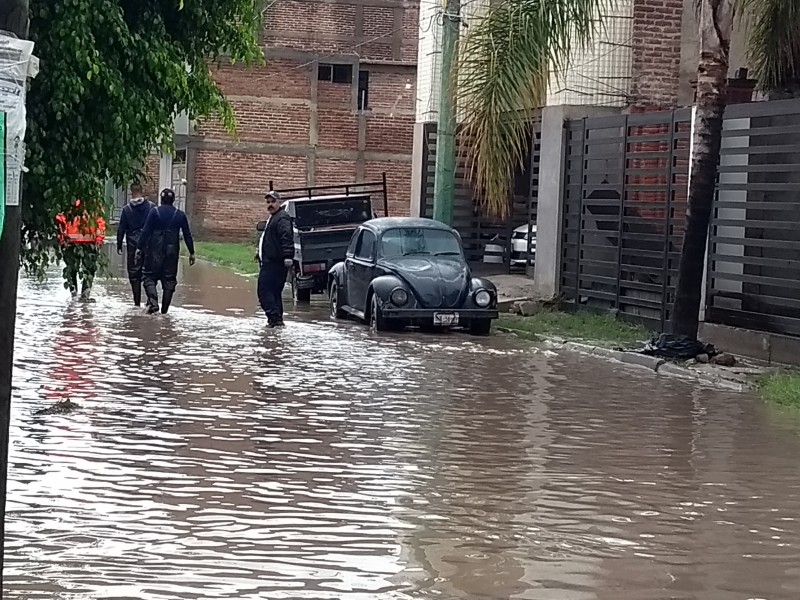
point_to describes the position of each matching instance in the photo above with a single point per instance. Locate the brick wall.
(656, 54)
(295, 129)
(152, 170)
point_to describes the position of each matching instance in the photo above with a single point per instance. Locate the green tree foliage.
(773, 30)
(114, 74)
(505, 63)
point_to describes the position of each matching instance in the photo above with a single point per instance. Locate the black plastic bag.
(675, 347)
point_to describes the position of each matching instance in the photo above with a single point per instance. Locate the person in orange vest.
(81, 239)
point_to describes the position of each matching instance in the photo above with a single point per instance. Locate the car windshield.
(410, 241)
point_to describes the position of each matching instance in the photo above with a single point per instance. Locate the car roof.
(382, 224)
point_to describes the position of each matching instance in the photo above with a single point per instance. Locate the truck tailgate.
(323, 245)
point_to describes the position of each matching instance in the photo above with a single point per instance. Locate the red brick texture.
(152, 169)
(656, 54)
(296, 130)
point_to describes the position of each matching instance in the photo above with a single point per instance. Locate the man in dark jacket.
(131, 224)
(159, 245)
(276, 256)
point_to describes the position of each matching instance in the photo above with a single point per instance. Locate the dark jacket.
(168, 219)
(277, 242)
(131, 222)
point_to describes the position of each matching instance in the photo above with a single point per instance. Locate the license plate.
(445, 319)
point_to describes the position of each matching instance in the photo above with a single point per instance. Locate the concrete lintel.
(389, 66)
(291, 54)
(250, 147)
(383, 112)
(368, 156)
(268, 100)
(296, 150)
(310, 36)
(551, 189)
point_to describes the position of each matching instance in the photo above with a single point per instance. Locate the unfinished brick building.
(334, 103)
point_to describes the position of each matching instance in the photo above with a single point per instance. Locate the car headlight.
(399, 297)
(483, 298)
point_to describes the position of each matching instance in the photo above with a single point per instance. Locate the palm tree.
(506, 61)
(774, 52)
(774, 45)
(504, 66)
(715, 26)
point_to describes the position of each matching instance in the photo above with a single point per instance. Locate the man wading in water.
(131, 224)
(159, 245)
(276, 257)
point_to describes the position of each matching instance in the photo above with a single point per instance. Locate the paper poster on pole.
(2, 171)
(15, 57)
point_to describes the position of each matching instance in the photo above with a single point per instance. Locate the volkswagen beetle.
(401, 271)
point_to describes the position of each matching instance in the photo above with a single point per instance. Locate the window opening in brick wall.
(363, 90)
(335, 73)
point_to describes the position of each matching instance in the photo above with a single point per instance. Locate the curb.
(659, 366)
(505, 305)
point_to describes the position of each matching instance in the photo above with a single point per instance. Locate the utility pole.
(445, 175)
(13, 19)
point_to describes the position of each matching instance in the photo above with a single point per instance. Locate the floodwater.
(216, 458)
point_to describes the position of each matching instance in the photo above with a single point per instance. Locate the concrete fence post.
(548, 210)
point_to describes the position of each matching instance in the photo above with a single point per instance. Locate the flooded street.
(216, 458)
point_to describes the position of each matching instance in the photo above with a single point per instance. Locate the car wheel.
(376, 318)
(480, 327)
(335, 302)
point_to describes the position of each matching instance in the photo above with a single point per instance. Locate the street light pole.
(445, 166)
(13, 19)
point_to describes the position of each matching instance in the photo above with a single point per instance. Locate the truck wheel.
(336, 302)
(300, 295)
(480, 327)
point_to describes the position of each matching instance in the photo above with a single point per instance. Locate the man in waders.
(159, 247)
(276, 257)
(131, 225)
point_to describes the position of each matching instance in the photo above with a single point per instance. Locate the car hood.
(437, 282)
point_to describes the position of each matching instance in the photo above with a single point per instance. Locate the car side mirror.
(261, 226)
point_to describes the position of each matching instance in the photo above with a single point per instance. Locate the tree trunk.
(716, 20)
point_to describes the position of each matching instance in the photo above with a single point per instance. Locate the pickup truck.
(324, 219)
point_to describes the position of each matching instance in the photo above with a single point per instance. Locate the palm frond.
(773, 40)
(504, 67)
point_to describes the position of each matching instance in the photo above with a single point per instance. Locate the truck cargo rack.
(348, 189)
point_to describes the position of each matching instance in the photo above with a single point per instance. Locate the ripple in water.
(215, 458)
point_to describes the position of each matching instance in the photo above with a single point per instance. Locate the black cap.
(168, 195)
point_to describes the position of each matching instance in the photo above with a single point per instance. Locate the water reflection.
(216, 458)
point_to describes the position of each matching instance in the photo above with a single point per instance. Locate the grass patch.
(237, 256)
(582, 326)
(782, 388)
